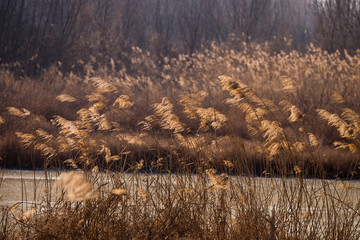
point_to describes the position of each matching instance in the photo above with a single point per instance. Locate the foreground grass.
(187, 206)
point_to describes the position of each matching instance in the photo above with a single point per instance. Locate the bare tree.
(337, 22)
(39, 33)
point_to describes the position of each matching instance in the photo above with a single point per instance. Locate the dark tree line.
(38, 33)
(338, 24)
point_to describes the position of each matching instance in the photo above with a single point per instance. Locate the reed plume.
(143, 194)
(344, 129)
(217, 182)
(46, 150)
(97, 107)
(96, 97)
(26, 138)
(17, 112)
(103, 86)
(76, 186)
(124, 101)
(191, 102)
(289, 85)
(119, 191)
(313, 140)
(27, 216)
(65, 98)
(47, 137)
(295, 114)
(337, 98)
(211, 117)
(168, 120)
(67, 128)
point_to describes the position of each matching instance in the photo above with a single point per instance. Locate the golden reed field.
(237, 143)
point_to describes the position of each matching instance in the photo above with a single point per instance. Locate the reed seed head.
(65, 98)
(76, 186)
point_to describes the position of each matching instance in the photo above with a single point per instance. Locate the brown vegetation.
(206, 118)
(244, 106)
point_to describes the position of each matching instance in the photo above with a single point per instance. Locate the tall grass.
(171, 152)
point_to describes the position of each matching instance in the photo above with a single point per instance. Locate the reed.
(222, 144)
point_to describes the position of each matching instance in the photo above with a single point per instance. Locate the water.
(33, 187)
(28, 187)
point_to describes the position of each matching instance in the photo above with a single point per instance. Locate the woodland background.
(38, 33)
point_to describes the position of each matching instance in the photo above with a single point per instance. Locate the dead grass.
(204, 118)
(189, 206)
(190, 86)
